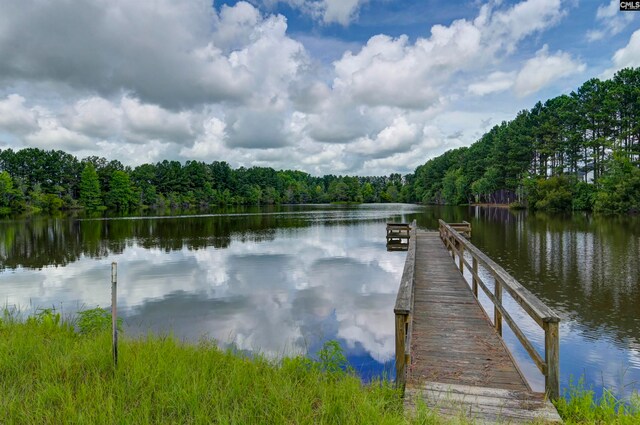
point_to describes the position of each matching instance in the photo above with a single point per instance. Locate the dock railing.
(546, 318)
(464, 228)
(403, 311)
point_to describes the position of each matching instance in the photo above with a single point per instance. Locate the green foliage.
(482, 189)
(162, 380)
(620, 187)
(52, 202)
(339, 191)
(579, 406)
(368, 193)
(455, 187)
(45, 317)
(554, 194)
(6, 189)
(570, 136)
(121, 196)
(332, 359)
(171, 185)
(390, 194)
(48, 320)
(90, 195)
(584, 196)
(11, 197)
(95, 320)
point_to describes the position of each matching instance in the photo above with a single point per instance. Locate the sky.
(366, 87)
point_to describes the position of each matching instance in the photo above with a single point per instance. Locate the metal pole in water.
(114, 311)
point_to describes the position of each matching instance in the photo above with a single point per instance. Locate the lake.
(283, 280)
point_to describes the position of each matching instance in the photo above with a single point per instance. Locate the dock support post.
(401, 336)
(552, 359)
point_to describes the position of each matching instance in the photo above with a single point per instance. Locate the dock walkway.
(456, 360)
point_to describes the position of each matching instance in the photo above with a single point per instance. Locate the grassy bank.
(50, 373)
(581, 406)
(54, 372)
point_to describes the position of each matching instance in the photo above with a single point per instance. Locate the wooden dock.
(398, 235)
(449, 354)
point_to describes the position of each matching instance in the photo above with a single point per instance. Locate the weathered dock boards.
(484, 405)
(458, 362)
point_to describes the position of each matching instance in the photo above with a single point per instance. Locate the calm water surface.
(282, 280)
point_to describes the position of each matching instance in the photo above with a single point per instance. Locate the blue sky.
(326, 86)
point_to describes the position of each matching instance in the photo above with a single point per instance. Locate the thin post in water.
(114, 310)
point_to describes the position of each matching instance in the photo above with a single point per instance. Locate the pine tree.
(121, 196)
(90, 195)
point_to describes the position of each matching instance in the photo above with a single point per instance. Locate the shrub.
(554, 193)
(585, 194)
(95, 320)
(620, 187)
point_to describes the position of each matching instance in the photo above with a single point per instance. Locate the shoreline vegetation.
(56, 370)
(579, 151)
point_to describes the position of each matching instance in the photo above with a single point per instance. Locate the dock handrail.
(545, 317)
(464, 228)
(403, 309)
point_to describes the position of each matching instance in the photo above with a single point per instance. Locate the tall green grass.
(52, 374)
(580, 406)
(55, 371)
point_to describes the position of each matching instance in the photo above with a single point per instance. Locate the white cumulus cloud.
(628, 56)
(399, 136)
(156, 79)
(341, 12)
(611, 21)
(543, 69)
(495, 82)
(15, 116)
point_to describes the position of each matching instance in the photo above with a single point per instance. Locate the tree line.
(577, 151)
(36, 180)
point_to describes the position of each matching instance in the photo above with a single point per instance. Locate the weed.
(332, 359)
(95, 320)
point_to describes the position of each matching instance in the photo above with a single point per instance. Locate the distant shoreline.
(490, 205)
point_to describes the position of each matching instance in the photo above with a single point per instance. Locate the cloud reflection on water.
(275, 297)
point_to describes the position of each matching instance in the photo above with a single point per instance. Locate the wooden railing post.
(474, 279)
(552, 358)
(401, 336)
(461, 258)
(497, 315)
